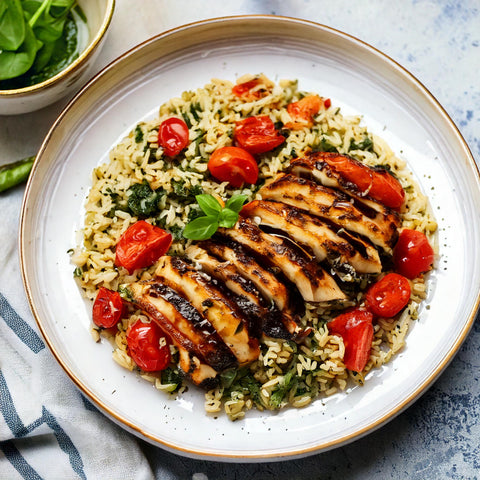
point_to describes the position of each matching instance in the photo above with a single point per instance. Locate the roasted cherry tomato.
(257, 134)
(248, 91)
(388, 296)
(377, 184)
(356, 329)
(108, 308)
(387, 189)
(173, 136)
(234, 165)
(304, 110)
(412, 254)
(143, 341)
(141, 245)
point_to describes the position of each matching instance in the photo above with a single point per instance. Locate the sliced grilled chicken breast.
(313, 165)
(381, 230)
(313, 283)
(199, 373)
(248, 298)
(311, 232)
(182, 322)
(226, 273)
(267, 284)
(223, 314)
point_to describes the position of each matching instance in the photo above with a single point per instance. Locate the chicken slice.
(272, 290)
(221, 312)
(335, 207)
(186, 327)
(314, 165)
(267, 284)
(198, 372)
(248, 298)
(311, 232)
(313, 283)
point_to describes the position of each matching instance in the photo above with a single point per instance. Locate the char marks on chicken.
(220, 310)
(254, 279)
(315, 235)
(182, 322)
(313, 283)
(333, 206)
(268, 318)
(316, 166)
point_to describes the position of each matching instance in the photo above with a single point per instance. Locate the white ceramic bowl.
(28, 99)
(357, 78)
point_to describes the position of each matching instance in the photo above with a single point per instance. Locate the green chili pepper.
(13, 174)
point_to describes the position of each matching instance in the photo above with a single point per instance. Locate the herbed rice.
(285, 373)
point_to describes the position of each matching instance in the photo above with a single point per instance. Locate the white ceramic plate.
(356, 77)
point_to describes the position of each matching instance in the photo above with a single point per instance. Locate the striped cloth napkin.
(48, 430)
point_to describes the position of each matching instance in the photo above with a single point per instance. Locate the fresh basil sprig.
(215, 216)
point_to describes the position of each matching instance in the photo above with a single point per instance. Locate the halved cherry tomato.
(143, 341)
(304, 110)
(247, 91)
(387, 189)
(412, 254)
(108, 308)
(356, 329)
(141, 245)
(388, 296)
(173, 136)
(377, 184)
(234, 165)
(257, 134)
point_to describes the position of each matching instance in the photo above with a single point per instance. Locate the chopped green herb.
(324, 146)
(249, 383)
(78, 272)
(176, 231)
(366, 144)
(118, 203)
(194, 212)
(195, 109)
(138, 134)
(186, 119)
(142, 200)
(125, 293)
(185, 194)
(171, 376)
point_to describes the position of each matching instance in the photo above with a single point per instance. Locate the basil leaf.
(236, 202)
(227, 218)
(209, 204)
(12, 25)
(201, 228)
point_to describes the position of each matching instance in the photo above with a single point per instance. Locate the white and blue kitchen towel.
(48, 430)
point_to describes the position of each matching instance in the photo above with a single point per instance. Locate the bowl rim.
(72, 67)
